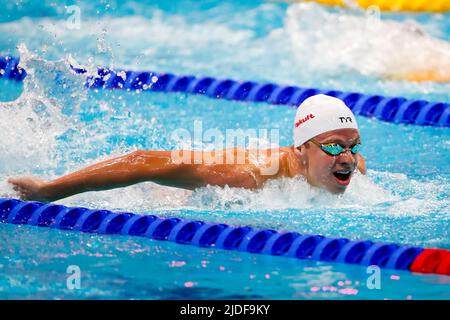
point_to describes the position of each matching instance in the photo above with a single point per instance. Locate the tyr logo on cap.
(345, 119)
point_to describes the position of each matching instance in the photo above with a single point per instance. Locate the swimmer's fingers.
(17, 183)
(21, 192)
(28, 188)
(12, 181)
(25, 183)
(16, 187)
(22, 195)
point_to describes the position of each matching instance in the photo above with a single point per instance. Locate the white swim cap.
(319, 114)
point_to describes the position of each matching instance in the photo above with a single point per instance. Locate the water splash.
(180, 42)
(30, 125)
(293, 193)
(396, 195)
(353, 41)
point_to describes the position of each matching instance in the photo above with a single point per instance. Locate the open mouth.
(342, 176)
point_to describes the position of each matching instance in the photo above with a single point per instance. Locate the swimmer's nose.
(347, 159)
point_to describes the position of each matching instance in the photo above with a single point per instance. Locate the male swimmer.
(325, 153)
(367, 42)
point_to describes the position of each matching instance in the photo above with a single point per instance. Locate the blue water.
(50, 126)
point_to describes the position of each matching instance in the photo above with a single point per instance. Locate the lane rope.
(222, 236)
(390, 109)
(393, 5)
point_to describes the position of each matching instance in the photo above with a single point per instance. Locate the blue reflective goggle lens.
(336, 149)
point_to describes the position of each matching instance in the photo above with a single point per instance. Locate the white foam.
(276, 195)
(350, 41)
(317, 46)
(292, 194)
(394, 195)
(30, 124)
(137, 34)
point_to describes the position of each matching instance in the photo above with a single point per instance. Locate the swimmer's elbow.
(151, 166)
(138, 155)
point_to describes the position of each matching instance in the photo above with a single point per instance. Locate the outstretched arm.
(118, 172)
(139, 166)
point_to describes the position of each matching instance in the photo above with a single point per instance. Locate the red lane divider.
(432, 261)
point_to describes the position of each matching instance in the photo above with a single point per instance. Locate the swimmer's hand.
(30, 188)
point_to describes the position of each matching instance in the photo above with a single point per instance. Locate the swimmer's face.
(322, 170)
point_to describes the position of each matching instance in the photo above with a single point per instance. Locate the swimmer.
(440, 76)
(325, 153)
(367, 44)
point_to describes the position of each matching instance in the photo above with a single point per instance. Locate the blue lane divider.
(390, 109)
(215, 235)
(10, 69)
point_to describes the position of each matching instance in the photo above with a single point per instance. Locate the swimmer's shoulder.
(289, 164)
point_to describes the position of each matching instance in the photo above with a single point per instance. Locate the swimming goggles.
(335, 149)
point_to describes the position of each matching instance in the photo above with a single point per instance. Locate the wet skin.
(309, 161)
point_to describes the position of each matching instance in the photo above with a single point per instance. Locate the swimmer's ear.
(361, 164)
(305, 146)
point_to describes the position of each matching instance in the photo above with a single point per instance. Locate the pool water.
(50, 125)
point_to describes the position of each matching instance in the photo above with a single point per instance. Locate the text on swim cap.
(346, 119)
(308, 117)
